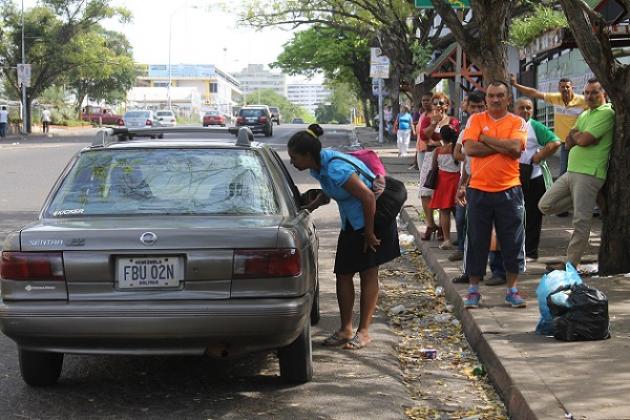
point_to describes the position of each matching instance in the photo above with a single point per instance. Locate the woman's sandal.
(335, 340)
(440, 234)
(428, 233)
(355, 343)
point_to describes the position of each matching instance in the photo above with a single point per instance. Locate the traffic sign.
(24, 74)
(377, 57)
(379, 71)
(456, 4)
(375, 88)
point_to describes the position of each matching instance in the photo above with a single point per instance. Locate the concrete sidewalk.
(538, 377)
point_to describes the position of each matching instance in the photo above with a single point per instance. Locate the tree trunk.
(488, 50)
(493, 17)
(614, 251)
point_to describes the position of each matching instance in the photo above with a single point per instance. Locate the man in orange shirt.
(495, 139)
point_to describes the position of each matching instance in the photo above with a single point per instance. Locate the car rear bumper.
(218, 328)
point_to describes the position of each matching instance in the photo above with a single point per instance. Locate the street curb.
(517, 405)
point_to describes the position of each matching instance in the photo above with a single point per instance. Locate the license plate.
(251, 120)
(149, 272)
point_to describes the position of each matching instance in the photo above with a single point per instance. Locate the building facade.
(255, 77)
(217, 89)
(308, 95)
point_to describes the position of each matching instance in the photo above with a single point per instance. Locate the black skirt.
(350, 257)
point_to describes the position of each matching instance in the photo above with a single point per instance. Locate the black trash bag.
(584, 315)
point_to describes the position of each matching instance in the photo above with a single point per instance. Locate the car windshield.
(164, 114)
(251, 112)
(137, 114)
(135, 182)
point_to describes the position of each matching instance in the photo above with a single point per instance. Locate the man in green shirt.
(589, 143)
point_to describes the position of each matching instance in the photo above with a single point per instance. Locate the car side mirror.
(310, 195)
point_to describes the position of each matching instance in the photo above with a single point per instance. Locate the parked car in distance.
(257, 118)
(101, 116)
(141, 118)
(275, 114)
(214, 118)
(189, 246)
(297, 121)
(166, 118)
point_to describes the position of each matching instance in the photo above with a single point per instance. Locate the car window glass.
(251, 112)
(294, 189)
(137, 114)
(164, 114)
(165, 181)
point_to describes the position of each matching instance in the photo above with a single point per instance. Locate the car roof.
(118, 139)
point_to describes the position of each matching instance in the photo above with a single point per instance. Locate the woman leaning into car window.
(360, 248)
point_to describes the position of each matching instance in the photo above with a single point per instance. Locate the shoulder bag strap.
(361, 171)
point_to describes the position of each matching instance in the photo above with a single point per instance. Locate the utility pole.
(380, 111)
(24, 105)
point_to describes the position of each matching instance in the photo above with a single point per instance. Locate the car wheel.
(296, 359)
(40, 368)
(315, 308)
(152, 137)
(161, 136)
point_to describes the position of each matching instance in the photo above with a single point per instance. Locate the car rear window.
(137, 114)
(164, 114)
(251, 112)
(134, 182)
(212, 113)
(274, 110)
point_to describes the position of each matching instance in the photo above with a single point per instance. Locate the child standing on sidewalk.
(448, 179)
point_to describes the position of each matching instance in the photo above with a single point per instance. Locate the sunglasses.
(439, 103)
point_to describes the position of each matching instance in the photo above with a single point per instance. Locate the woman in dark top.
(360, 248)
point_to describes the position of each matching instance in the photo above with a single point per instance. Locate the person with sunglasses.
(429, 133)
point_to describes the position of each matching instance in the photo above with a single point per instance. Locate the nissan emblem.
(148, 238)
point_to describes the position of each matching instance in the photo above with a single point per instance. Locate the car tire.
(315, 315)
(161, 136)
(39, 368)
(296, 359)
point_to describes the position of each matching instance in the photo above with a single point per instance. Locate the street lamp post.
(168, 87)
(24, 110)
(170, 40)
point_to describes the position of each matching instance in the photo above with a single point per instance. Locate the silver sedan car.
(171, 247)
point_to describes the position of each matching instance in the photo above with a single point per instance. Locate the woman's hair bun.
(316, 129)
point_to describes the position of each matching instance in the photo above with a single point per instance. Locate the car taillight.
(121, 122)
(148, 122)
(266, 263)
(240, 120)
(262, 119)
(32, 266)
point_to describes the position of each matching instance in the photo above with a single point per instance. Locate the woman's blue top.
(332, 176)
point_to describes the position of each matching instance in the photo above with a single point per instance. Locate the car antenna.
(244, 137)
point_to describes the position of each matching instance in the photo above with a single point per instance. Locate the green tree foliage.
(394, 25)
(339, 106)
(288, 110)
(342, 56)
(108, 71)
(52, 30)
(526, 29)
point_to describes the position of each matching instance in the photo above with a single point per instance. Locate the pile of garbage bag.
(571, 310)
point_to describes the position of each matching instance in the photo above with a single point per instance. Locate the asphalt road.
(346, 385)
